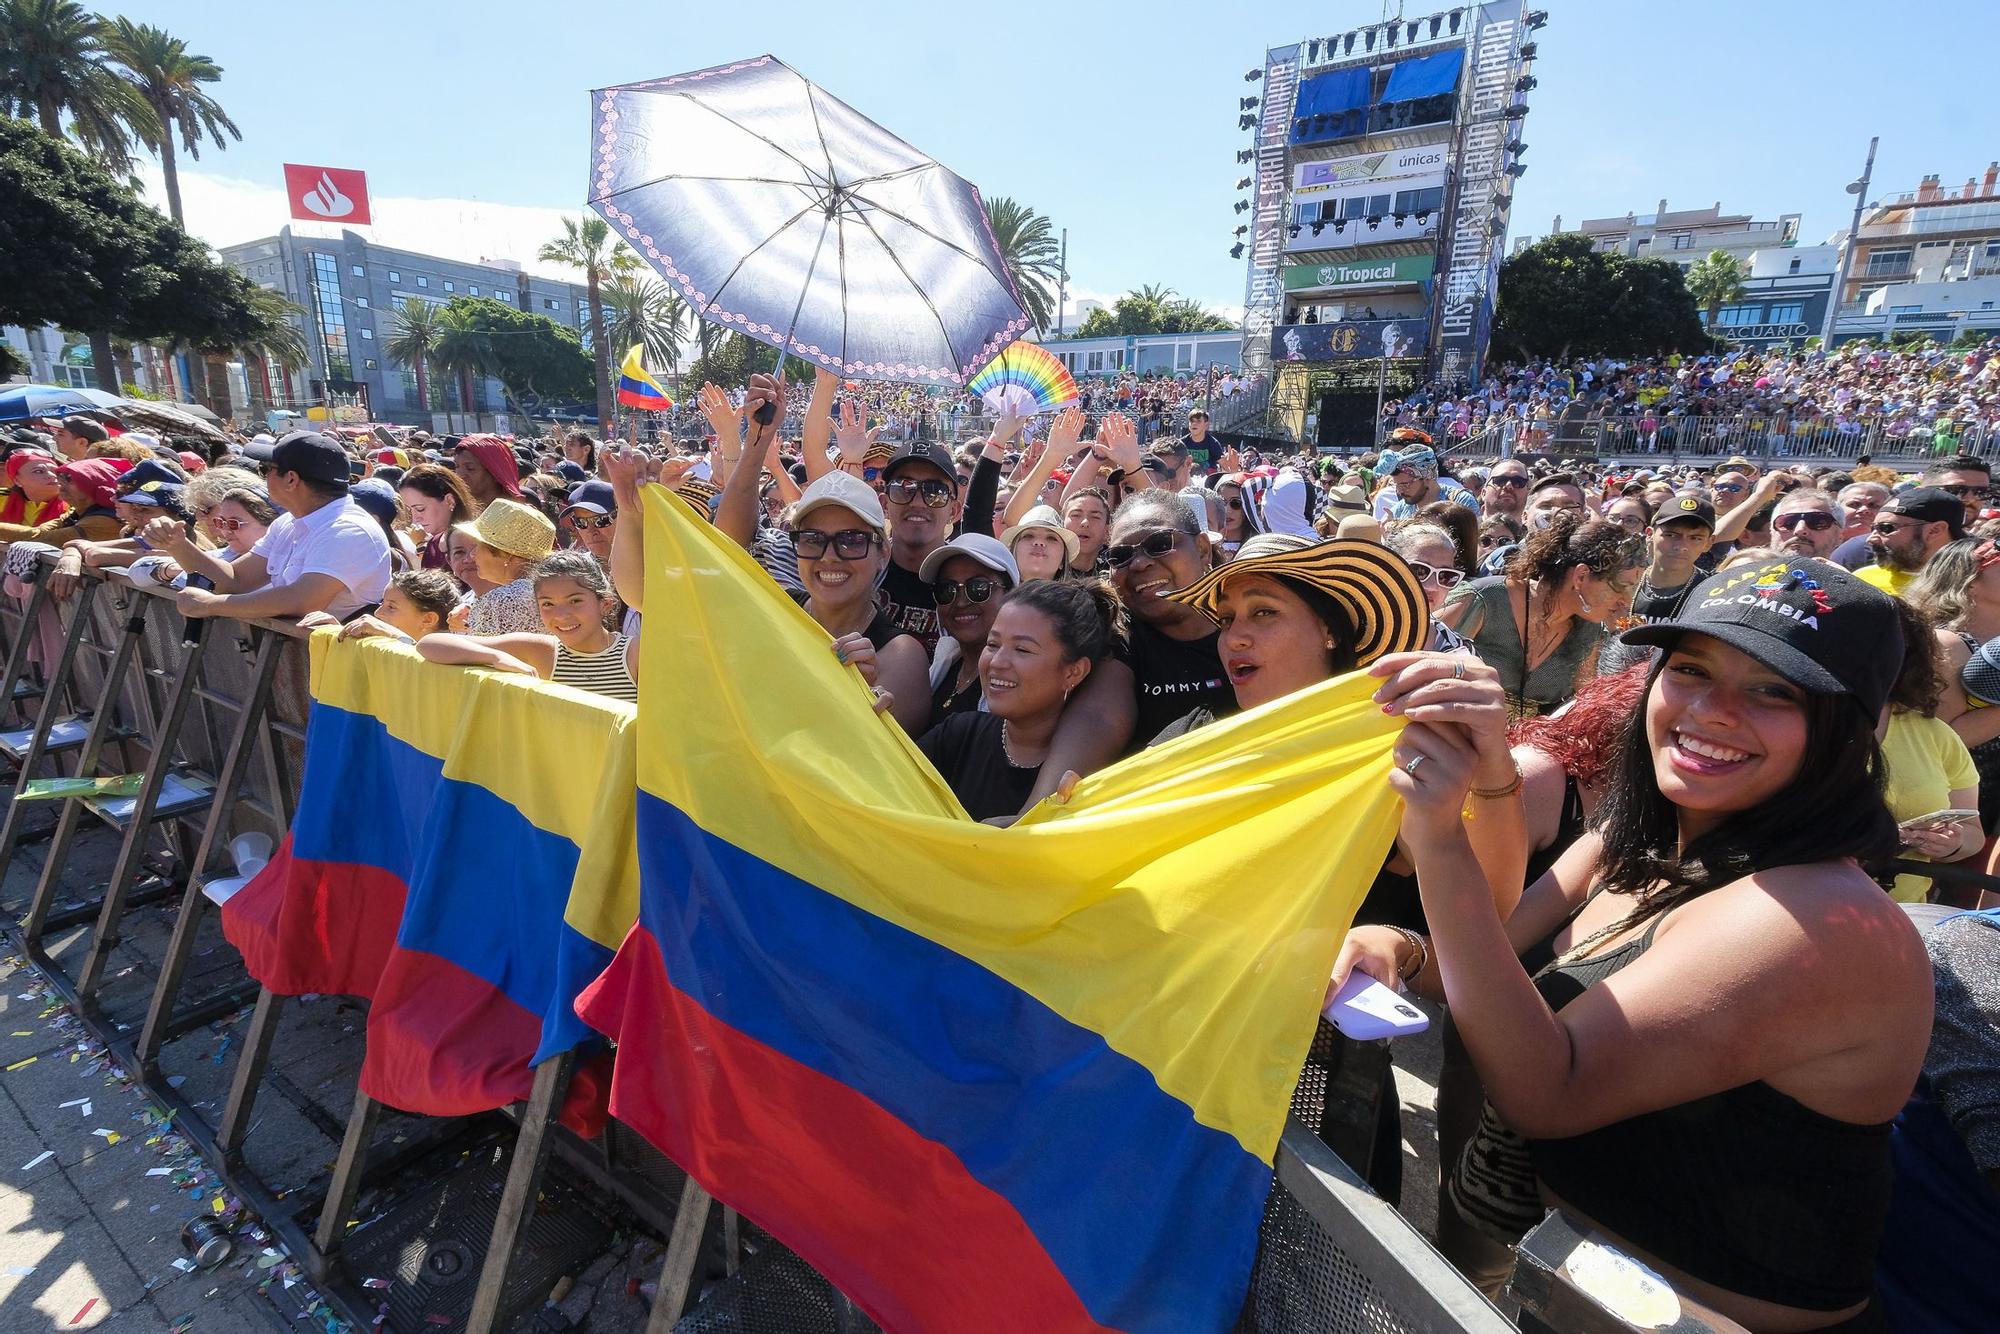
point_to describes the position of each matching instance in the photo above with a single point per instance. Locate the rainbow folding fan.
(1024, 379)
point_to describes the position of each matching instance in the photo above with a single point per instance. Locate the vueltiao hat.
(1373, 585)
(512, 527)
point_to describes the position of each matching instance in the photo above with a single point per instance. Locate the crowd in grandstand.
(1944, 394)
(1688, 751)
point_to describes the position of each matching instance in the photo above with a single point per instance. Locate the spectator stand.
(472, 1218)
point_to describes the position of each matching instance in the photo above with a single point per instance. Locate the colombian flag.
(638, 389)
(443, 817)
(1021, 1079)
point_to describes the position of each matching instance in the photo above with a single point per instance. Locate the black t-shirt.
(947, 700)
(880, 628)
(1171, 676)
(967, 752)
(910, 606)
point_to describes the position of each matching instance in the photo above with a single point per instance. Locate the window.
(358, 271)
(1791, 314)
(1733, 316)
(448, 286)
(423, 282)
(503, 294)
(361, 301)
(1986, 305)
(368, 363)
(1683, 240)
(1420, 201)
(473, 290)
(394, 276)
(332, 316)
(1906, 310)
(1095, 363)
(368, 335)
(1887, 262)
(548, 303)
(1795, 266)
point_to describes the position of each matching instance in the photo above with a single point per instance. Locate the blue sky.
(1118, 121)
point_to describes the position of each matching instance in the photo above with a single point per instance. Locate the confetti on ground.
(182, 1325)
(30, 1061)
(77, 1319)
(185, 1265)
(158, 1171)
(374, 1282)
(38, 1160)
(108, 1136)
(23, 1033)
(17, 1271)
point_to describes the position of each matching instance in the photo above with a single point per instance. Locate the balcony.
(1354, 233)
(1384, 118)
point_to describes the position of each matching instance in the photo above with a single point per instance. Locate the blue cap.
(571, 472)
(597, 497)
(150, 470)
(376, 496)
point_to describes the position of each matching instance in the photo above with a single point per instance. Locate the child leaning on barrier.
(571, 592)
(416, 603)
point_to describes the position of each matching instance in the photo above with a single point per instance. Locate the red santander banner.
(327, 194)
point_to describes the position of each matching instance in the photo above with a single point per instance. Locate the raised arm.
(529, 655)
(1064, 433)
(818, 426)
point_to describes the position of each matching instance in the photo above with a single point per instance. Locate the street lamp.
(1859, 189)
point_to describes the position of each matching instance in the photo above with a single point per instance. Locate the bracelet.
(1416, 943)
(1496, 793)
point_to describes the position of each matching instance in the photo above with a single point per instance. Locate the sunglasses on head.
(977, 589)
(903, 490)
(1444, 576)
(1819, 523)
(848, 543)
(1152, 546)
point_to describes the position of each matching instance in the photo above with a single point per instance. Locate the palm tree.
(280, 338)
(646, 313)
(52, 65)
(1030, 253)
(418, 332)
(589, 245)
(1714, 280)
(169, 78)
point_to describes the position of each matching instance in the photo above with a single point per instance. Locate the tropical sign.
(1401, 269)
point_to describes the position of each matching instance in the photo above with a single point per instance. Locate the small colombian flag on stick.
(637, 389)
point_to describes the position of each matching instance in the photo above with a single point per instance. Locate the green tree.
(414, 341)
(80, 250)
(279, 339)
(533, 357)
(1099, 323)
(589, 245)
(646, 313)
(1185, 316)
(1715, 280)
(1031, 254)
(1150, 309)
(169, 77)
(53, 64)
(1561, 297)
(734, 358)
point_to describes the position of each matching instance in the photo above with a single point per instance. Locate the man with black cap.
(921, 498)
(75, 436)
(322, 553)
(1681, 533)
(1907, 532)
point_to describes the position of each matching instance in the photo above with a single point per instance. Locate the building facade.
(1148, 354)
(1384, 165)
(1785, 292)
(1685, 235)
(1925, 263)
(351, 289)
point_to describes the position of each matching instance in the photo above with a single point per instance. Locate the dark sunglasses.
(902, 490)
(1728, 490)
(1152, 546)
(591, 520)
(1819, 523)
(1982, 492)
(848, 543)
(1887, 528)
(1508, 481)
(977, 589)
(1444, 576)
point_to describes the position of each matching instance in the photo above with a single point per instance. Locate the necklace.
(1007, 748)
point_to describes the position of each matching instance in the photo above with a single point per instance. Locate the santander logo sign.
(327, 194)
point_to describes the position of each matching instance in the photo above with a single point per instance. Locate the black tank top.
(1747, 1189)
(1393, 899)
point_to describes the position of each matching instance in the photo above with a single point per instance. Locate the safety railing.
(1701, 440)
(212, 717)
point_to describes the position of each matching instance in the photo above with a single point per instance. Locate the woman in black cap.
(1694, 1030)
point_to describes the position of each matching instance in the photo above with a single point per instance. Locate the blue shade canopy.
(1331, 94)
(1426, 76)
(781, 212)
(48, 400)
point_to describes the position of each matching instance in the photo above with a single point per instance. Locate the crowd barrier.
(474, 1218)
(1772, 439)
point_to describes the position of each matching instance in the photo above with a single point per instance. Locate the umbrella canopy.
(783, 213)
(180, 418)
(48, 400)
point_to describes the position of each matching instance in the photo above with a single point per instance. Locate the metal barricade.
(488, 1204)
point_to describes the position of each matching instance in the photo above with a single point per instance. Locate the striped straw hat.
(699, 493)
(1373, 585)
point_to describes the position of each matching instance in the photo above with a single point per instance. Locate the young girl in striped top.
(572, 592)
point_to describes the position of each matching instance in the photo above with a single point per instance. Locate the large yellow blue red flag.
(1027, 1079)
(636, 386)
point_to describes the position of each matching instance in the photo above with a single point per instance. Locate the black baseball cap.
(1808, 620)
(1929, 504)
(922, 451)
(1695, 509)
(312, 456)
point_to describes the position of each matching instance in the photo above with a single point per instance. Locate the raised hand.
(724, 418)
(1120, 439)
(1066, 430)
(851, 435)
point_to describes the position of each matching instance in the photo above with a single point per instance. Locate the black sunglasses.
(977, 589)
(1152, 546)
(1963, 491)
(1508, 481)
(1819, 523)
(848, 543)
(903, 490)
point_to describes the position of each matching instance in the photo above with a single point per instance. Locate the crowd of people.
(1687, 752)
(1942, 397)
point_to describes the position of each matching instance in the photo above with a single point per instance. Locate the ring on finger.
(1457, 670)
(1411, 767)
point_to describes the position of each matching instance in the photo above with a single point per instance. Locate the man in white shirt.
(322, 553)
